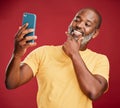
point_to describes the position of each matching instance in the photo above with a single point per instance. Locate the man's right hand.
(21, 43)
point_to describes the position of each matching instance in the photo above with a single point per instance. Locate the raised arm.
(92, 86)
(17, 73)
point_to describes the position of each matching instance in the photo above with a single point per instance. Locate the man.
(68, 76)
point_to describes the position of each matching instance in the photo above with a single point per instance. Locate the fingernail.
(66, 32)
(19, 27)
(31, 30)
(26, 24)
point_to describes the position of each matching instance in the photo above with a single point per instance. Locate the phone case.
(30, 18)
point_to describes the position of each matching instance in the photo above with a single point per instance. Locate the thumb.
(69, 37)
(80, 39)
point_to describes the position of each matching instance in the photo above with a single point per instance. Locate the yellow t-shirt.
(57, 83)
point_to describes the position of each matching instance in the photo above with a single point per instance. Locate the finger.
(69, 37)
(24, 44)
(30, 44)
(26, 40)
(22, 35)
(80, 39)
(29, 38)
(68, 34)
(25, 32)
(21, 29)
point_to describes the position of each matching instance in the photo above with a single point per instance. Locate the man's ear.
(96, 33)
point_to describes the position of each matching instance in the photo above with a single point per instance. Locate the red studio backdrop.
(53, 18)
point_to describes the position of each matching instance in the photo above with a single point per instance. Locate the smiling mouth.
(75, 34)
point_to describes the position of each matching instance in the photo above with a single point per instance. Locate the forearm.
(17, 75)
(13, 72)
(89, 84)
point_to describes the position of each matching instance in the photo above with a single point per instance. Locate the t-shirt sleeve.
(102, 67)
(33, 60)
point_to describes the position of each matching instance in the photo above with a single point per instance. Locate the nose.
(80, 25)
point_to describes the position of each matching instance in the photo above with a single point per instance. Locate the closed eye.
(77, 19)
(88, 24)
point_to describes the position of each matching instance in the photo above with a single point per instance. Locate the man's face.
(84, 24)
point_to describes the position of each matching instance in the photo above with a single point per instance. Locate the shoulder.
(95, 53)
(98, 56)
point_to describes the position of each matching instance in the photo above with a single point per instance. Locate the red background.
(53, 18)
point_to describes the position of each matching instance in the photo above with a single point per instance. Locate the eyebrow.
(81, 18)
(78, 16)
(89, 21)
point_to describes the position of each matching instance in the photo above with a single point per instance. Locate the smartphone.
(29, 18)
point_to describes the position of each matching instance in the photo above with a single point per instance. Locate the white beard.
(87, 38)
